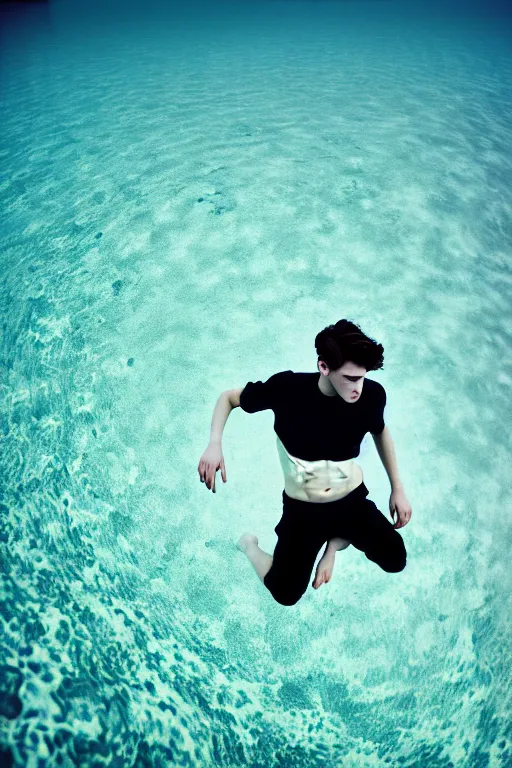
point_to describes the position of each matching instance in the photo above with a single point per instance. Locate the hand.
(399, 505)
(211, 460)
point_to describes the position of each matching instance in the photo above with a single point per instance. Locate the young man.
(320, 422)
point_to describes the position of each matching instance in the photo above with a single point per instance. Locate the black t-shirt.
(312, 425)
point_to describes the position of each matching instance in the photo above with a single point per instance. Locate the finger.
(223, 471)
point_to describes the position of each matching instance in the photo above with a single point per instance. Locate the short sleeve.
(259, 395)
(377, 414)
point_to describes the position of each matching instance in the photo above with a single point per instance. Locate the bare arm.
(212, 459)
(386, 451)
(227, 401)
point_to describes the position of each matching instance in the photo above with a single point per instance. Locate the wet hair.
(343, 342)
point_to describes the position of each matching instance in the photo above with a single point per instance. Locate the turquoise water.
(188, 196)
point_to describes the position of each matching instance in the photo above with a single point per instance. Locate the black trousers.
(305, 527)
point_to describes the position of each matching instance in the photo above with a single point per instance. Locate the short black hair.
(343, 342)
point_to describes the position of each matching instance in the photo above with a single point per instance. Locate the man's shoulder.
(375, 392)
(294, 377)
(374, 386)
(291, 376)
(288, 382)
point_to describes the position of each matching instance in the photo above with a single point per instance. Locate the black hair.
(343, 342)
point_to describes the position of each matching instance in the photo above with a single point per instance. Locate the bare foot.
(324, 569)
(246, 539)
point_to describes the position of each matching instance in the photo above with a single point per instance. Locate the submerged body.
(324, 499)
(320, 422)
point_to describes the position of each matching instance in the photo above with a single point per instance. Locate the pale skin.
(345, 382)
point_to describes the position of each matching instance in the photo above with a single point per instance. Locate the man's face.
(347, 380)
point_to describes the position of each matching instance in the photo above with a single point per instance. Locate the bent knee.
(391, 558)
(286, 599)
(284, 596)
(284, 592)
(395, 567)
(397, 563)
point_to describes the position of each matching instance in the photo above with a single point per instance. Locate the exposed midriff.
(318, 481)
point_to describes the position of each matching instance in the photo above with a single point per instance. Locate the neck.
(325, 386)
